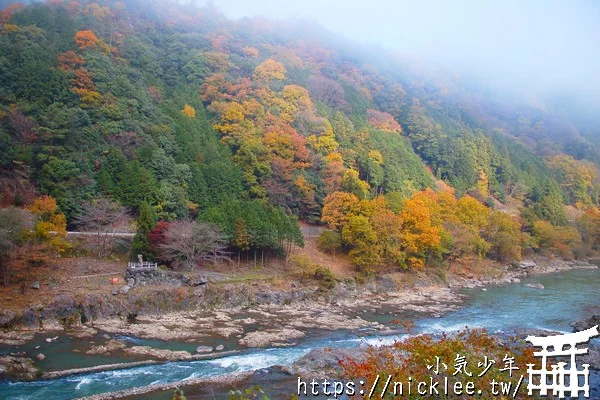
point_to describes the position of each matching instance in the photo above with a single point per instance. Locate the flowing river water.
(567, 297)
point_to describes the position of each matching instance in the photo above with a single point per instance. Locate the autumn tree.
(189, 243)
(324, 141)
(589, 226)
(84, 87)
(503, 233)
(575, 177)
(360, 235)
(50, 226)
(85, 39)
(465, 240)
(9, 10)
(471, 212)
(351, 183)
(383, 121)
(390, 236)
(156, 237)
(98, 11)
(333, 172)
(558, 240)
(297, 100)
(69, 60)
(189, 111)
(338, 208)
(421, 235)
(269, 70)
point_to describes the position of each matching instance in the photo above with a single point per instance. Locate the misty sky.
(544, 45)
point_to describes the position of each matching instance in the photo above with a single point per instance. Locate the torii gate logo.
(559, 380)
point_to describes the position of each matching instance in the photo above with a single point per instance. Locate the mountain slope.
(178, 107)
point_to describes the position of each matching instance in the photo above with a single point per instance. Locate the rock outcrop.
(586, 323)
(19, 368)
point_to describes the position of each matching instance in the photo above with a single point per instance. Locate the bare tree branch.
(190, 243)
(103, 217)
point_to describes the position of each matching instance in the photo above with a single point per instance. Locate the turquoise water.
(567, 297)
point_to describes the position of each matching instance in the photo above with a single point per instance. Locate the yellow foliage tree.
(325, 142)
(189, 111)
(482, 183)
(359, 234)
(503, 233)
(469, 211)
(269, 70)
(351, 183)
(51, 226)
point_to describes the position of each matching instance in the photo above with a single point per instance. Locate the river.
(568, 296)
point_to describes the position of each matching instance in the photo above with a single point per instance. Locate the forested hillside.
(176, 112)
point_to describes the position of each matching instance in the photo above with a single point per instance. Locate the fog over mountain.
(527, 48)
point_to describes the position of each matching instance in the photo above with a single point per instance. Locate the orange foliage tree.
(85, 39)
(421, 235)
(9, 11)
(558, 240)
(338, 208)
(69, 60)
(85, 88)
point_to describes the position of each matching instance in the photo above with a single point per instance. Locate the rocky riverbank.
(257, 315)
(513, 273)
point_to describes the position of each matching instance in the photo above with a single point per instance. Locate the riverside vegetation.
(219, 145)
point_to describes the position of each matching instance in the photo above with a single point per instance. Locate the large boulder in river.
(114, 344)
(97, 350)
(323, 362)
(163, 354)
(272, 337)
(18, 368)
(526, 264)
(534, 285)
(204, 349)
